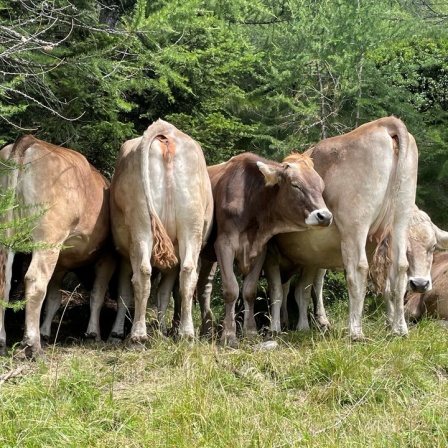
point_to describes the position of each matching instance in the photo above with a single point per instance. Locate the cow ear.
(441, 236)
(270, 174)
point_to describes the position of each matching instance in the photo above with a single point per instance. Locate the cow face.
(421, 245)
(299, 192)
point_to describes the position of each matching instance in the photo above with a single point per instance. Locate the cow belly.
(320, 248)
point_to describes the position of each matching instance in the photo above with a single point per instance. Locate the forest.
(265, 76)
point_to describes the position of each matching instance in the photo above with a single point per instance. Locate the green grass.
(314, 390)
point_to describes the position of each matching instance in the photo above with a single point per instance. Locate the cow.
(435, 301)
(255, 199)
(370, 177)
(73, 231)
(161, 216)
(423, 238)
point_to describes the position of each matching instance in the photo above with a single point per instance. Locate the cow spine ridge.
(163, 248)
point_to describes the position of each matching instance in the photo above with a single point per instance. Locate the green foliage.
(17, 221)
(261, 75)
(416, 72)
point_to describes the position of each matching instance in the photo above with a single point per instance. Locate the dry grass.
(313, 390)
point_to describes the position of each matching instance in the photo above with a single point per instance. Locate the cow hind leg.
(230, 291)
(398, 284)
(6, 260)
(357, 268)
(141, 282)
(188, 278)
(37, 278)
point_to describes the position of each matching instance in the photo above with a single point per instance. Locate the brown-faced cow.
(256, 199)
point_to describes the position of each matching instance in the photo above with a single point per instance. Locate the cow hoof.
(266, 346)
(230, 342)
(92, 337)
(28, 352)
(3, 350)
(358, 338)
(44, 340)
(136, 346)
(323, 325)
(116, 338)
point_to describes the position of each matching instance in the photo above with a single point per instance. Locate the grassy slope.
(313, 390)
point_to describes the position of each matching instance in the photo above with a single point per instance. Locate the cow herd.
(347, 203)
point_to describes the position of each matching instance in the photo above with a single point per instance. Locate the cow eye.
(298, 187)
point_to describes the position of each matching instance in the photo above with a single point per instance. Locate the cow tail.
(382, 257)
(163, 249)
(381, 262)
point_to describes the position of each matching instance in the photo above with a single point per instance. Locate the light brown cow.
(161, 211)
(370, 177)
(434, 302)
(76, 198)
(256, 199)
(423, 238)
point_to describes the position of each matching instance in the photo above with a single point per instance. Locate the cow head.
(300, 192)
(422, 242)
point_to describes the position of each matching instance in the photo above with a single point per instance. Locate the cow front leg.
(319, 309)
(104, 269)
(302, 295)
(124, 301)
(273, 277)
(37, 278)
(164, 290)
(204, 289)
(52, 304)
(250, 285)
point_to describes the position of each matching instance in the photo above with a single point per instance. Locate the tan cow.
(435, 301)
(161, 212)
(255, 199)
(76, 198)
(423, 238)
(370, 177)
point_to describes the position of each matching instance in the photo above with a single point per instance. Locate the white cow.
(161, 212)
(423, 238)
(370, 177)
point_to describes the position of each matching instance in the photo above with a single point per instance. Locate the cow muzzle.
(419, 284)
(322, 217)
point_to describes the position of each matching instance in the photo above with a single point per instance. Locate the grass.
(314, 390)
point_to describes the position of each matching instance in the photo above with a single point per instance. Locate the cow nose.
(419, 285)
(324, 217)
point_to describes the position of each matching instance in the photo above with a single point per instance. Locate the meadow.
(313, 390)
